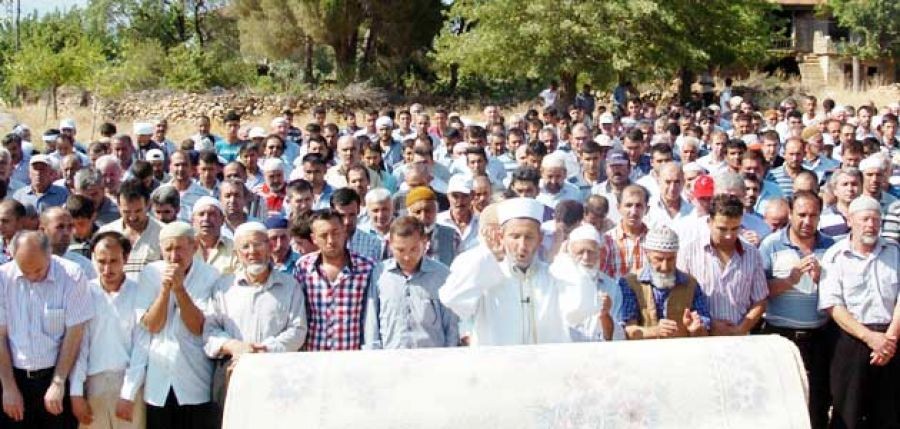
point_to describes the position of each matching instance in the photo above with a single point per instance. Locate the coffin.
(726, 382)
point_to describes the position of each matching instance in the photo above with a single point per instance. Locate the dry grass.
(39, 119)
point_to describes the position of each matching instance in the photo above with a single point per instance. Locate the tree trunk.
(684, 89)
(568, 85)
(454, 77)
(309, 60)
(55, 107)
(856, 74)
(197, 21)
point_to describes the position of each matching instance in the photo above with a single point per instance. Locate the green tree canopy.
(876, 21)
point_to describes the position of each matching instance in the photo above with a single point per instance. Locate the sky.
(44, 6)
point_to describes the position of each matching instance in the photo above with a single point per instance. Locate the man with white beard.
(662, 301)
(581, 254)
(518, 300)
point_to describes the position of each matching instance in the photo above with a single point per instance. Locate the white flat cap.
(278, 121)
(143, 129)
(257, 132)
(176, 229)
(871, 162)
(606, 118)
(585, 232)
(460, 183)
(384, 122)
(207, 201)
(520, 208)
(272, 164)
(553, 160)
(67, 123)
(693, 166)
(249, 228)
(603, 140)
(155, 155)
(864, 202)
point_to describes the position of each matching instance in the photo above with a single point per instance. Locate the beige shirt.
(222, 257)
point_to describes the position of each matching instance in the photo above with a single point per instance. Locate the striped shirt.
(37, 314)
(784, 181)
(335, 310)
(630, 251)
(833, 224)
(890, 224)
(733, 288)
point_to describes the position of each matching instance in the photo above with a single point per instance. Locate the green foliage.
(140, 64)
(877, 22)
(194, 69)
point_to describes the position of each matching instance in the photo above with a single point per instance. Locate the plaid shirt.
(335, 311)
(630, 252)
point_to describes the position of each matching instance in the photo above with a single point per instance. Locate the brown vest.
(680, 297)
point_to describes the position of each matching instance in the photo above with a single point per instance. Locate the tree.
(875, 30)
(602, 41)
(55, 54)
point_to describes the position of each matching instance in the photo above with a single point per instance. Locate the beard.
(662, 280)
(868, 239)
(585, 270)
(256, 269)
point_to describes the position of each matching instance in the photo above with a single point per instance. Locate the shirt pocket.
(424, 308)
(54, 322)
(855, 289)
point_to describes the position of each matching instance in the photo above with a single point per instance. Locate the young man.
(138, 227)
(405, 295)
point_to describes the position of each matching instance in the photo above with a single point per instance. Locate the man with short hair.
(592, 159)
(89, 183)
(660, 155)
(229, 146)
(182, 169)
(336, 282)
(729, 271)
(661, 301)
(777, 214)
(638, 160)
(165, 204)
(57, 224)
(140, 229)
(815, 159)
(859, 289)
(794, 151)
(791, 260)
(403, 308)
(208, 170)
(630, 231)
(284, 258)
(346, 203)
(83, 226)
(46, 306)
(212, 247)
(176, 292)
(348, 151)
(482, 192)
(518, 300)
(110, 169)
(108, 378)
(618, 177)
(421, 203)
(669, 204)
(273, 189)
(41, 192)
(314, 173)
(19, 159)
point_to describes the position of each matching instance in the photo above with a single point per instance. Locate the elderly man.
(58, 225)
(182, 169)
(581, 254)
(518, 300)
(41, 193)
(461, 217)
(108, 378)
(176, 292)
(380, 214)
(274, 188)
(390, 147)
(777, 214)
(336, 282)
(139, 228)
(728, 269)
(403, 309)
(791, 260)
(859, 289)
(482, 191)
(669, 204)
(111, 171)
(89, 182)
(421, 203)
(258, 309)
(46, 305)
(661, 301)
(212, 247)
(554, 186)
(284, 258)
(874, 170)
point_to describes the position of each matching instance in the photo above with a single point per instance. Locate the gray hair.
(166, 194)
(729, 181)
(86, 178)
(846, 171)
(42, 240)
(378, 196)
(105, 160)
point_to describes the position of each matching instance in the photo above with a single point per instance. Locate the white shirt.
(176, 358)
(114, 340)
(84, 263)
(650, 183)
(468, 238)
(710, 165)
(510, 307)
(658, 215)
(567, 192)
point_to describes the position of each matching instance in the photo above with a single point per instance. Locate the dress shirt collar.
(845, 248)
(784, 237)
(619, 231)
(51, 272)
(425, 266)
(704, 235)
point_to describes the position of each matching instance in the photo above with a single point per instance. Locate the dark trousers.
(33, 387)
(865, 396)
(816, 349)
(174, 416)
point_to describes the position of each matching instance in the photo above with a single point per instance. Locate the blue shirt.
(640, 168)
(781, 178)
(290, 263)
(821, 166)
(228, 151)
(629, 310)
(52, 197)
(409, 311)
(796, 308)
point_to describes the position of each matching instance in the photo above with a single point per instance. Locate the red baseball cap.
(704, 186)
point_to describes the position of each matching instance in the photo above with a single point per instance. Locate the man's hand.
(605, 304)
(724, 328)
(124, 409)
(751, 237)
(235, 348)
(881, 344)
(53, 399)
(692, 322)
(173, 278)
(258, 348)
(667, 328)
(82, 410)
(810, 265)
(13, 405)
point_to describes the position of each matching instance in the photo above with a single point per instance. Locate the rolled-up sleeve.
(830, 287)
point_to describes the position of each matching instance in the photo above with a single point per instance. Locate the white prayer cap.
(460, 183)
(871, 162)
(603, 140)
(155, 155)
(585, 232)
(49, 138)
(661, 239)
(693, 166)
(176, 229)
(143, 129)
(279, 121)
(894, 106)
(461, 148)
(248, 228)
(735, 102)
(207, 201)
(853, 121)
(67, 123)
(606, 118)
(257, 132)
(204, 143)
(628, 122)
(384, 122)
(520, 208)
(553, 160)
(39, 159)
(749, 138)
(864, 202)
(272, 164)
(20, 128)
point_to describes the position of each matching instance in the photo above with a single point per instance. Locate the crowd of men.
(137, 270)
